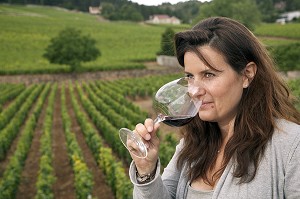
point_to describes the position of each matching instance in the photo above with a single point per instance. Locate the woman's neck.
(227, 129)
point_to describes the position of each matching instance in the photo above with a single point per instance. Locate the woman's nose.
(196, 90)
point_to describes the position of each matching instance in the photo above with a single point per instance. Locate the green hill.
(26, 31)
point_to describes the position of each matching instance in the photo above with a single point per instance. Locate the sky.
(159, 2)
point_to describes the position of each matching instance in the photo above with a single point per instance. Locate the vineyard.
(61, 141)
(59, 137)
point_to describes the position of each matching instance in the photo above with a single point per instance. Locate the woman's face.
(221, 90)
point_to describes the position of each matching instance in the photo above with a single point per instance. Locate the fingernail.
(148, 137)
(150, 129)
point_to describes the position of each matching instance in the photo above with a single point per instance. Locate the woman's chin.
(206, 118)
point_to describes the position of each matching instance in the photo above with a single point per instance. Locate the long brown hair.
(266, 99)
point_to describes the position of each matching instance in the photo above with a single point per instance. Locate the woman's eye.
(189, 76)
(208, 75)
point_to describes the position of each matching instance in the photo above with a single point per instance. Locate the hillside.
(27, 30)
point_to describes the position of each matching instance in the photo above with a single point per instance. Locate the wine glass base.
(133, 143)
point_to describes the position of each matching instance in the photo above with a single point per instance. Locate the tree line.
(187, 12)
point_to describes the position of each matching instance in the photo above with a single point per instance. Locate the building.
(94, 10)
(163, 19)
(288, 17)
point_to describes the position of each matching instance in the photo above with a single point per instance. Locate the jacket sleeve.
(161, 187)
(292, 175)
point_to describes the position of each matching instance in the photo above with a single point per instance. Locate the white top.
(196, 194)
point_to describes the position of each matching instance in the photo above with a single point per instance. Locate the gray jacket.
(278, 175)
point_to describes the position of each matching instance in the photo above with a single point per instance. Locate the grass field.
(291, 31)
(26, 31)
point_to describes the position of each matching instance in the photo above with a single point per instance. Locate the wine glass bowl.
(175, 106)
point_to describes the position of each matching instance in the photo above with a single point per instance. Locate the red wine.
(177, 120)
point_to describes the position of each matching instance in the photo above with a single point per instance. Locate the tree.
(245, 11)
(267, 10)
(70, 47)
(167, 43)
(108, 9)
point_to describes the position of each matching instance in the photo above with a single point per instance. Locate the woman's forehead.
(205, 57)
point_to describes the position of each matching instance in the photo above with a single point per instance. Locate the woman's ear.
(249, 73)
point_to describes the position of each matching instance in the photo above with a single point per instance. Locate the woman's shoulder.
(286, 137)
(286, 129)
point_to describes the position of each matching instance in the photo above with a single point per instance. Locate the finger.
(151, 127)
(142, 131)
(149, 124)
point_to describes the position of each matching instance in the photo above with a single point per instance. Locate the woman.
(244, 143)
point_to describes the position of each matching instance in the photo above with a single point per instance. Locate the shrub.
(167, 43)
(287, 56)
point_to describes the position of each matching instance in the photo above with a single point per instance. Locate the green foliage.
(46, 176)
(245, 11)
(92, 138)
(11, 177)
(167, 147)
(187, 11)
(71, 48)
(11, 129)
(10, 111)
(267, 10)
(26, 32)
(108, 131)
(287, 56)
(115, 174)
(167, 43)
(10, 92)
(295, 87)
(121, 12)
(83, 176)
(291, 30)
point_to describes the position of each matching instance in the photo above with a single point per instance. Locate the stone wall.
(169, 61)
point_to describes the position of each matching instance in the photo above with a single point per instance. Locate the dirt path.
(64, 184)
(27, 187)
(152, 69)
(100, 189)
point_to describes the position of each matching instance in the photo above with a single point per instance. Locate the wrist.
(142, 179)
(147, 168)
(146, 177)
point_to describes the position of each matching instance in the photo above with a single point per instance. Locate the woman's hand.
(147, 131)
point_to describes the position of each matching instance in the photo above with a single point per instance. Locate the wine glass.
(175, 105)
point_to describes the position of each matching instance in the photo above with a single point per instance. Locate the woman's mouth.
(206, 105)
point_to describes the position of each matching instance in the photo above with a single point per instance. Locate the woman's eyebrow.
(203, 71)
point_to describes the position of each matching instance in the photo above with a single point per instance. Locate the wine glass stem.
(160, 117)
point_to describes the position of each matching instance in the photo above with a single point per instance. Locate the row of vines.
(100, 109)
